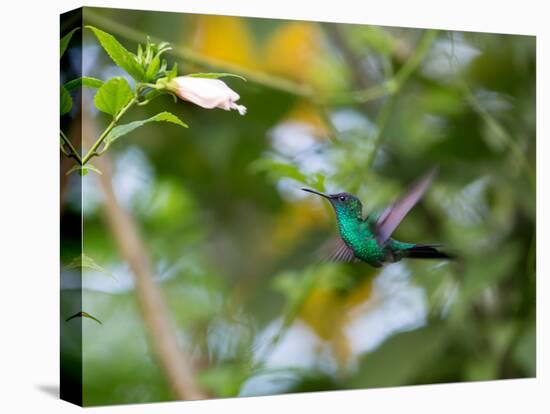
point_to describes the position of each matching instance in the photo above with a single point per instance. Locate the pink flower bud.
(206, 92)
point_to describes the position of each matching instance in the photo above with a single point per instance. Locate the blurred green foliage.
(234, 240)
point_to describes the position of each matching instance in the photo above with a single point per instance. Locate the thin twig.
(92, 152)
(389, 87)
(491, 122)
(174, 362)
(288, 318)
(337, 36)
(397, 83)
(73, 152)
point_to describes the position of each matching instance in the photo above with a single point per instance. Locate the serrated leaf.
(65, 101)
(215, 75)
(65, 42)
(121, 130)
(84, 81)
(113, 95)
(118, 53)
(83, 314)
(82, 170)
(85, 261)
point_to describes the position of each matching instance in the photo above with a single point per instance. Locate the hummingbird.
(368, 239)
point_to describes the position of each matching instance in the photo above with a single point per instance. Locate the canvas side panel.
(71, 211)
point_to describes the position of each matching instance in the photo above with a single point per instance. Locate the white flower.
(206, 92)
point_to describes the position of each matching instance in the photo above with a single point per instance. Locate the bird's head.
(343, 203)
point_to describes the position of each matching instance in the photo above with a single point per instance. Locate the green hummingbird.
(368, 239)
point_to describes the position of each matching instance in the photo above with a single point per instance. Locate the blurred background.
(232, 241)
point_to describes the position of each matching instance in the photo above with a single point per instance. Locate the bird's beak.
(316, 192)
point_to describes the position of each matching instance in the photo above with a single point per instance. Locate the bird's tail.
(427, 251)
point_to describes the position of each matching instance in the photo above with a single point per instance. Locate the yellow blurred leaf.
(292, 50)
(323, 311)
(359, 294)
(294, 220)
(225, 38)
(328, 311)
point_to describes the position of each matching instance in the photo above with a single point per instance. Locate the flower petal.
(207, 93)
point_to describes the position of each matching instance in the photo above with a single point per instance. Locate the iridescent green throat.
(350, 222)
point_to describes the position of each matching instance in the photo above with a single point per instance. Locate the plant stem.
(392, 85)
(93, 150)
(411, 65)
(74, 153)
(395, 85)
(381, 122)
(175, 363)
(288, 317)
(492, 123)
(389, 88)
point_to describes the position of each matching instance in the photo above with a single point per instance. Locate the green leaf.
(65, 101)
(121, 130)
(139, 56)
(153, 68)
(278, 169)
(78, 168)
(113, 95)
(118, 53)
(85, 261)
(84, 81)
(172, 73)
(319, 182)
(155, 93)
(65, 42)
(83, 314)
(83, 169)
(62, 147)
(214, 75)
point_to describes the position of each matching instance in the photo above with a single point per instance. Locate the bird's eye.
(342, 198)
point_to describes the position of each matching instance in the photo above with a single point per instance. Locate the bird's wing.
(336, 250)
(390, 218)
